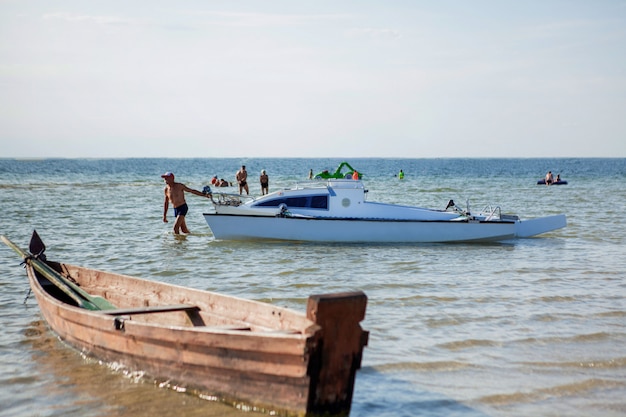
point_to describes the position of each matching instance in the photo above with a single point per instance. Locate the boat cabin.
(317, 196)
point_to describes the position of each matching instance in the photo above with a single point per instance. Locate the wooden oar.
(82, 297)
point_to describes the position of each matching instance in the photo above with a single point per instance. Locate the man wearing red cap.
(175, 194)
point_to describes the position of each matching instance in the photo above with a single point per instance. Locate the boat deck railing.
(491, 212)
(228, 199)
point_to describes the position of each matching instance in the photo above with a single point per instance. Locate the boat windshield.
(307, 201)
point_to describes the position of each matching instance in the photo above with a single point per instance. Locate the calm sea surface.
(534, 327)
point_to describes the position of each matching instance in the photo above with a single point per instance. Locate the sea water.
(519, 328)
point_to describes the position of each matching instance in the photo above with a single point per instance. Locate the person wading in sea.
(265, 182)
(242, 179)
(175, 194)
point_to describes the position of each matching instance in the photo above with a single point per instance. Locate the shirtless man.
(175, 194)
(549, 178)
(242, 179)
(265, 182)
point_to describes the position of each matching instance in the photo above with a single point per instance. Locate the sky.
(350, 78)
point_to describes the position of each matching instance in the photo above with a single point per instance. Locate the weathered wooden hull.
(238, 351)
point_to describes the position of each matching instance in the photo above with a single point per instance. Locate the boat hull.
(238, 351)
(238, 227)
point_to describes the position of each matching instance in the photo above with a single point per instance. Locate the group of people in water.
(549, 179)
(242, 181)
(174, 192)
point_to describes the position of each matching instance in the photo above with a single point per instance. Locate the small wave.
(557, 299)
(439, 366)
(566, 390)
(458, 320)
(298, 272)
(469, 343)
(590, 337)
(612, 314)
(435, 298)
(615, 363)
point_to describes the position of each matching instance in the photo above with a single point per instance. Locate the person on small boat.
(265, 182)
(242, 180)
(355, 175)
(175, 194)
(558, 178)
(549, 178)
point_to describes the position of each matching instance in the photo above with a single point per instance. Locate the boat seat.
(151, 309)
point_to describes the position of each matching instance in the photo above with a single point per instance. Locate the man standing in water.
(242, 179)
(175, 194)
(265, 182)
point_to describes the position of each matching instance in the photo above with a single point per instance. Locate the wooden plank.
(291, 344)
(150, 309)
(277, 395)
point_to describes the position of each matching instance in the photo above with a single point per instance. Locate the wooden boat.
(268, 358)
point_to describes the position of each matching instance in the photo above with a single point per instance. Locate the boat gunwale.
(193, 296)
(456, 220)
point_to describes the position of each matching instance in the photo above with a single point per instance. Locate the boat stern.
(337, 357)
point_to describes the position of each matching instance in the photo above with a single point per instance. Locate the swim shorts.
(242, 183)
(181, 210)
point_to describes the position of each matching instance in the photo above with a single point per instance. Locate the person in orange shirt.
(355, 175)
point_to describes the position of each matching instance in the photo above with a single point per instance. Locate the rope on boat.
(30, 290)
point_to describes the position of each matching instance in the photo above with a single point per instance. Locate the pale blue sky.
(349, 78)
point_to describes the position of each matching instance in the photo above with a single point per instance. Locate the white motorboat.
(337, 211)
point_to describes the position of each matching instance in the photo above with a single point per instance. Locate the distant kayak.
(560, 182)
